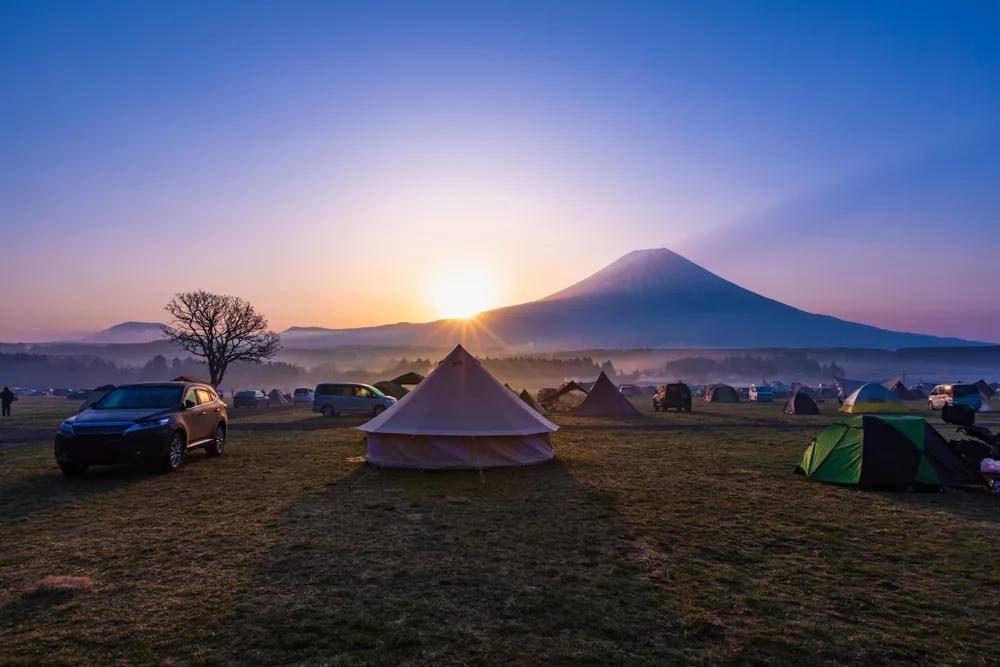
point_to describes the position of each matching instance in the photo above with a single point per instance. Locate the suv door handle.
(202, 412)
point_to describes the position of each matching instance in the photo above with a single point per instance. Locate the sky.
(343, 164)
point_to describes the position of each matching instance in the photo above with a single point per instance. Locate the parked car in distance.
(761, 393)
(955, 394)
(152, 422)
(349, 398)
(676, 395)
(303, 395)
(251, 398)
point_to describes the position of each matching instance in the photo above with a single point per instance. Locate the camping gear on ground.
(460, 416)
(567, 397)
(885, 452)
(872, 398)
(801, 404)
(721, 393)
(532, 403)
(605, 400)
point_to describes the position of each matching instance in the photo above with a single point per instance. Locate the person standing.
(6, 398)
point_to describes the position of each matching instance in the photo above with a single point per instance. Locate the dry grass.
(667, 538)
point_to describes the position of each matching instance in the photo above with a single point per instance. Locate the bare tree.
(220, 329)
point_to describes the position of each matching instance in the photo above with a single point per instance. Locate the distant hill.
(648, 298)
(127, 332)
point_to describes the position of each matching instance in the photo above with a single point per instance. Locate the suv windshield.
(138, 398)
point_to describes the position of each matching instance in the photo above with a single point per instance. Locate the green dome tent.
(884, 452)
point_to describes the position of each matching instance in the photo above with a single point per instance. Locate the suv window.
(191, 395)
(204, 396)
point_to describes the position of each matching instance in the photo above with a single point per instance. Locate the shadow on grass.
(22, 497)
(522, 564)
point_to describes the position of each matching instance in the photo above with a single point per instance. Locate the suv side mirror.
(189, 403)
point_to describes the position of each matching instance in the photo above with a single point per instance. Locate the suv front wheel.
(328, 411)
(174, 457)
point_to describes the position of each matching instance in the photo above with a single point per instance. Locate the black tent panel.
(890, 458)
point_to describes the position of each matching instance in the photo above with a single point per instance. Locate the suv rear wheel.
(218, 444)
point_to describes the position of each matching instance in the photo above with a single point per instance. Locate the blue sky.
(272, 149)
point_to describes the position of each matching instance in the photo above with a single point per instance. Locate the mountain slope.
(648, 298)
(127, 332)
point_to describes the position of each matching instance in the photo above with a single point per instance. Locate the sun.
(462, 295)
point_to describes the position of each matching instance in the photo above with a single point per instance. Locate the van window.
(334, 389)
(362, 392)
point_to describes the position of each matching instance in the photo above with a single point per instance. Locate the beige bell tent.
(604, 400)
(530, 400)
(460, 416)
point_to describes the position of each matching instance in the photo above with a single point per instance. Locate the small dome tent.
(460, 416)
(801, 404)
(604, 400)
(872, 398)
(721, 393)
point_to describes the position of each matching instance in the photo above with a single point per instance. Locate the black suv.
(151, 422)
(677, 395)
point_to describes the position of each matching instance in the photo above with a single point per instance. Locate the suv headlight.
(66, 428)
(145, 426)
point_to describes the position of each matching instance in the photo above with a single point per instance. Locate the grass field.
(667, 538)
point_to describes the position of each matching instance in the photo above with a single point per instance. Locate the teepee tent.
(530, 400)
(460, 416)
(875, 451)
(872, 397)
(801, 404)
(604, 400)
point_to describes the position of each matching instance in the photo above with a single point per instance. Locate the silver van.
(349, 398)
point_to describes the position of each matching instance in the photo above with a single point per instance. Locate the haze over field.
(353, 165)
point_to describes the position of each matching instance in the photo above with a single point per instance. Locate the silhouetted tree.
(219, 329)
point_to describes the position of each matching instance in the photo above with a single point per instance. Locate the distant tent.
(917, 394)
(876, 452)
(391, 388)
(870, 398)
(410, 378)
(460, 416)
(985, 390)
(801, 404)
(566, 397)
(721, 393)
(277, 398)
(605, 400)
(897, 387)
(529, 399)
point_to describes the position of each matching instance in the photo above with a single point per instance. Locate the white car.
(761, 393)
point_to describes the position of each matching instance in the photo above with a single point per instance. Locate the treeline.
(784, 365)
(84, 372)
